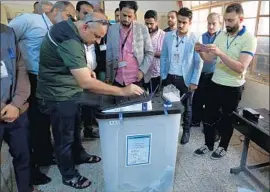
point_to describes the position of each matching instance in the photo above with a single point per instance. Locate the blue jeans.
(65, 122)
(16, 136)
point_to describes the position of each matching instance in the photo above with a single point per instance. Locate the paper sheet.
(138, 150)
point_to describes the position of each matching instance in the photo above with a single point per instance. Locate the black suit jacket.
(101, 56)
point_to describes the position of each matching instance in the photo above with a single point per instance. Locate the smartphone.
(204, 48)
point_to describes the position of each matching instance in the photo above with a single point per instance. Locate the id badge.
(176, 57)
(103, 47)
(3, 70)
(122, 64)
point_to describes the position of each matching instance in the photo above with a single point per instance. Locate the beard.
(153, 30)
(170, 24)
(125, 24)
(232, 29)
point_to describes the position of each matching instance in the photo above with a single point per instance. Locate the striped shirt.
(243, 43)
(157, 42)
(128, 74)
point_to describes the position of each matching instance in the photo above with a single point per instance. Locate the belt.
(176, 76)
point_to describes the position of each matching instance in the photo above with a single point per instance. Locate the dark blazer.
(101, 56)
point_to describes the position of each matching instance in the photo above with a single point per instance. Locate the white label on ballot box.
(138, 150)
(134, 107)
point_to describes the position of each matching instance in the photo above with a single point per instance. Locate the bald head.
(92, 27)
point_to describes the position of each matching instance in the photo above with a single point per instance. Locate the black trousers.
(152, 85)
(179, 83)
(200, 96)
(87, 114)
(65, 119)
(224, 98)
(39, 128)
(16, 136)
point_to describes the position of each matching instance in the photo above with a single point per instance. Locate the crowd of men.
(50, 57)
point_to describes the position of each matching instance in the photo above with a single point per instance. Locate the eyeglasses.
(103, 22)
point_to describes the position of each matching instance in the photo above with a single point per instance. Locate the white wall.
(255, 95)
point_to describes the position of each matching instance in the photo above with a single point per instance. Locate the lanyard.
(229, 45)
(124, 42)
(45, 22)
(178, 42)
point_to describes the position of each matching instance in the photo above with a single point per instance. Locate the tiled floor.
(193, 174)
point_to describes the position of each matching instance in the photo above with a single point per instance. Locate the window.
(250, 24)
(264, 8)
(261, 61)
(256, 20)
(250, 9)
(263, 28)
(195, 21)
(216, 10)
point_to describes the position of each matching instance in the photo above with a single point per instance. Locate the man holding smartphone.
(234, 50)
(214, 26)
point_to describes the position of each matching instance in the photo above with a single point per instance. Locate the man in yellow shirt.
(234, 51)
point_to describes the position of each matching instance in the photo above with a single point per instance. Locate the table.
(258, 132)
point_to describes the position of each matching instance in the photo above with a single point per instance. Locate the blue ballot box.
(138, 148)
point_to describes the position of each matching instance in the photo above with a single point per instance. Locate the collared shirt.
(129, 73)
(177, 54)
(233, 46)
(157, 42)
(15, 87)
(91, 56)
(207, 38)
(30, 30)
(167, 29)
(61, 50)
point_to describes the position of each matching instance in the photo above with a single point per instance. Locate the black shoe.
(219, 153)
(90, 133)
(185, 137)
(195, 124)
(202, 151)
(38, 178)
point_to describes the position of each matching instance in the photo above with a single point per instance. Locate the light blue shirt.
(177, 55)
(30, 30)
(191, 61)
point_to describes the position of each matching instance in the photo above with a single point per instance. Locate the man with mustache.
(129, 49)
(181, 65)
(83, 8)
(172, 21)
(234, 50)
(30, 30)
(157, 36)
(59, 87)
(214, 23)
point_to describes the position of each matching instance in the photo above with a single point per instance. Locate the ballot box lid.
(103, 102)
